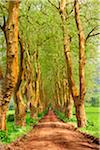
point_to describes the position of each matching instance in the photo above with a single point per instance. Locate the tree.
(20, 106)
(46, 32)
(78, 98)
(9, 82)
(80, 110)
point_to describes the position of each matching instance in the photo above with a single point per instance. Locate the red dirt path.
(52, 134)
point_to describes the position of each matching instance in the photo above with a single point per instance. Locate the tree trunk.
(71, 82)
(1, 73)
(41, 103)
(80, 114)
(2, 119)
(65, 95)
(20, 107)
(31, 100)
(74, 91)
(82, 118)
(20, 111)
(67, 52)
(32, 110)
(37, 85)
(57, 95)
(10, 79)
(69, 106)
(20, 116)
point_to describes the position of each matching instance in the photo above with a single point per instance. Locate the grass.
(13, 132)
(93, 121)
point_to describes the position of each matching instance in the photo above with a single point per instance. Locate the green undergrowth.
(93, 121)
(62, 117)
(13, 132)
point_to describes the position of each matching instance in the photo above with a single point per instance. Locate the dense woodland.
(48, 57)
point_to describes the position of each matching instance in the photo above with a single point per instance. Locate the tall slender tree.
(78, 97)
(82, 60)
(9, 82)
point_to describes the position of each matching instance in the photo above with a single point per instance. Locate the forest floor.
(53, 134)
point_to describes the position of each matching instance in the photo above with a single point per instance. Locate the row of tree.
(39, 56)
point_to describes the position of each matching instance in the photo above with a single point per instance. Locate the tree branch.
(53, 5)
(90, 35)
(1, 27)
(94, 34)
(44, 13)
(4, 24)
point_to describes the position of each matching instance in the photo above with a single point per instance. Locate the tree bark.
(74, 91)
(20, 110)
(37, 92)
(80, 114)
(81, 111)
(41, 104)
(1, 74)
(20, 106)
(65, 95)
(57, 95)
(69, 106)
(31, 100)
(37, 85)
(10, 79)
(67, 52)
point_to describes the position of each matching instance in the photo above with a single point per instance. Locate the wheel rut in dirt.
(52, 134)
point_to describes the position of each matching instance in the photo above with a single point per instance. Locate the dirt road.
(52, 134)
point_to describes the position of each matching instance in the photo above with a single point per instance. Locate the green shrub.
(40, 115)
(4, 137)
(95, 101)
(10, 117)
(34, 121)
